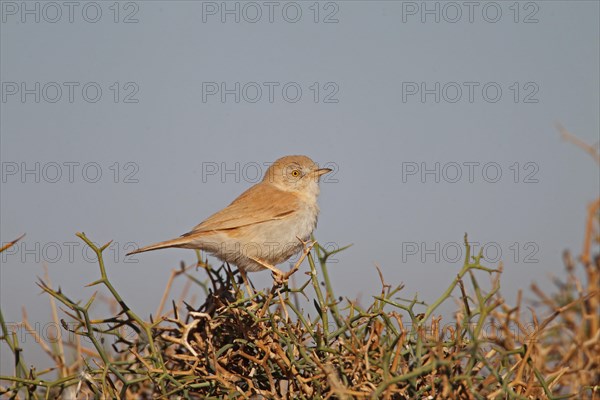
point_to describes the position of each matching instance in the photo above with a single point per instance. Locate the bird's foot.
(280, 277)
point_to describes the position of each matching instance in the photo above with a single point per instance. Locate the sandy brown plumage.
(263, 223)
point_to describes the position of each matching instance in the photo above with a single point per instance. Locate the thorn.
(105, 246)
(10, 244)
(95, 283)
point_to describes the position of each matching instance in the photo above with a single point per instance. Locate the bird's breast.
(299, 224)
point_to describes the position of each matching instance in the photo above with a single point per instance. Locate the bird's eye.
(295, 173)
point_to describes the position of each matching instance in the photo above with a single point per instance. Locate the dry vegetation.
(307, 343)
(240, 346)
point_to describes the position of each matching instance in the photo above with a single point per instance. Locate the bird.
(266, 225)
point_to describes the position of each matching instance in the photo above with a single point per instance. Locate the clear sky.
(134, 121)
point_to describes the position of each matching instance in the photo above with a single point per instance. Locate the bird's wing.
(258, 204)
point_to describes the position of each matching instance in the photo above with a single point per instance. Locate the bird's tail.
(179, 242)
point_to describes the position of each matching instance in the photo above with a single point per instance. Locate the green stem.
(322, 302)
(157, 357)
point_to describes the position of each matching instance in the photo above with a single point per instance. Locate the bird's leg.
(276, 272)
(279, 276)
(246, 283)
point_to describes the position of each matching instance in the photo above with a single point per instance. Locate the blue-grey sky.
(134, 121)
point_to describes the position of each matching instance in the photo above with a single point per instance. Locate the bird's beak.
(322, 171)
